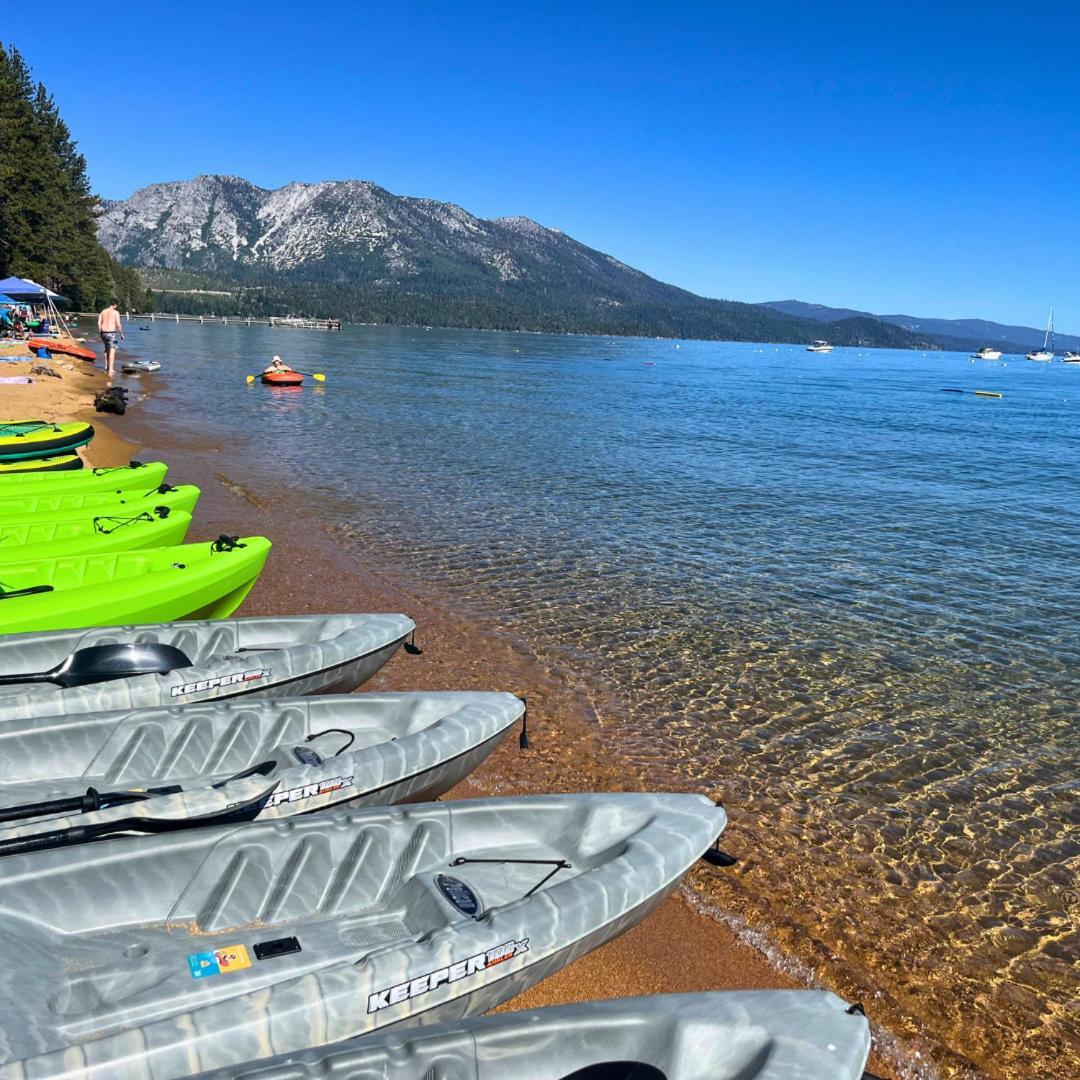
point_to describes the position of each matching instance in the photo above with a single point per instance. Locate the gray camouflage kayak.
(738, 1035)
(153, 958)
(111, 772)
(76, 671)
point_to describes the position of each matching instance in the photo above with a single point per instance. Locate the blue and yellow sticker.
(219, 962)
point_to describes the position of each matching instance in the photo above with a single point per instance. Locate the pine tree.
(48, 212)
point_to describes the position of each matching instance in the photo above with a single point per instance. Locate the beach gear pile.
(217, 860)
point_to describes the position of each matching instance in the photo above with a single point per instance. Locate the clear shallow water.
(848, 601)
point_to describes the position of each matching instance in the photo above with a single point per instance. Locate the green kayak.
(191, 581)
(133, 477)
(35, 538)
(69, 503)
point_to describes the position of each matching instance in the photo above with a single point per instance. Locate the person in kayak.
(276, 367)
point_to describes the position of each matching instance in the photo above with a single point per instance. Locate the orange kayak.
(282, 378)
(62, 347)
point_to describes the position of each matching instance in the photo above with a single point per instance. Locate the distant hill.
(951, 333)
(351, 249)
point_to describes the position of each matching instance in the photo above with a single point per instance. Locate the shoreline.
(683, 946)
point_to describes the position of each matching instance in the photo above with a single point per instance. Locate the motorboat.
(986, 353)
(819, 346)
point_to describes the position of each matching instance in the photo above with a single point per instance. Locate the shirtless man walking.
(109, 325)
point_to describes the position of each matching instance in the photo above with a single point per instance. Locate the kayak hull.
(727, 1035)
(329, 926)
(271, 656)
(64, 505)
(282, 378)
(54, 537)
(133, 477)
(317, 753)
(190, 581)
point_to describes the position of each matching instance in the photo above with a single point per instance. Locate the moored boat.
(819, 346)
(165, 955)
(1046, 353)
(986, 353)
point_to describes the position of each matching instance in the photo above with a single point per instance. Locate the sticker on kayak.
(395, 995)
(222, 680)
(309, 791)
(219, 962)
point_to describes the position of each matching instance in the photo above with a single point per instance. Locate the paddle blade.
(250, 379)
(319, 377)
(99, 663)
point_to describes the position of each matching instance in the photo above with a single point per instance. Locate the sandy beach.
(68, 396)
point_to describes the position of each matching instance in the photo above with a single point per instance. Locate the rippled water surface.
(818, 584)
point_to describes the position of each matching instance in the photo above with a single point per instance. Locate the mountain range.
(353, 250)
(951, 333)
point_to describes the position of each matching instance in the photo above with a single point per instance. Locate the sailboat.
(1047, 350)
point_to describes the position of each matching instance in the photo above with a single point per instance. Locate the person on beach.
(109, 325)
(277, 365)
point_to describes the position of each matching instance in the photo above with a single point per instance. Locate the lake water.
(818, 584)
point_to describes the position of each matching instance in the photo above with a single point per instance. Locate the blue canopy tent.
(24, 291)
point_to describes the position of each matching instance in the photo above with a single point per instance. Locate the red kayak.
(66, 347)
(282, 378)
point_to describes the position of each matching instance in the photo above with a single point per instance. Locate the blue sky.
(920, 158)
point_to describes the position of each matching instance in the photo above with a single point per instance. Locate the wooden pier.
(290, 322)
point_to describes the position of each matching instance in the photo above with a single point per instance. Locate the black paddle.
(99, 663)
(78, 804)
(102, 830)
